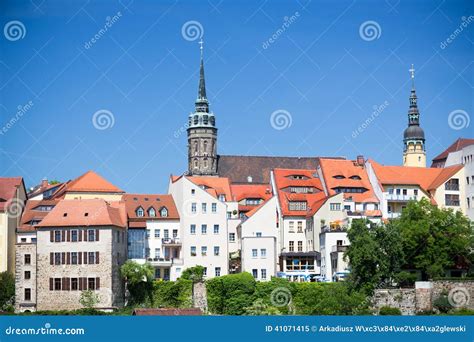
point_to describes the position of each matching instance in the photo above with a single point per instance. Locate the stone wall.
(200, 296)
(21, 283)
(421, 298)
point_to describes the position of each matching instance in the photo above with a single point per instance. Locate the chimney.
(360, 160)
(44, 182)
(249, 179)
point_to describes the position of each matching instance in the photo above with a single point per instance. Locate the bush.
(195, 273)
(389, 311)
(7, 290)
(406, 279)
(174, 294)
(462, 312)
(442, 303)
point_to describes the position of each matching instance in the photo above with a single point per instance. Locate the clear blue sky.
(319, 69)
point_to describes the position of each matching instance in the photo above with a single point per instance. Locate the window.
(157, 252)
(204, 229)
(255, 273)
(390, 191)
(263, 272)
(229, 214)
(27, 259)
(91, 235)
(57, 236)
(297, 205)
(217, 271)
(216, 250)
(57, 258)
(166, 234)
(222, 199)
(452, 200)
(192, 229)
(164, 212)
(204, 272)
(152, 212)
(91, 258)
(398, 191)
(389, 208)
(74, 284)
(193, 208)
(405, 192)
(28, 294)
(254, 253)
(263, 253)
(292, 246)
(148, 233)
(232, 237)
(204, 250)
(74, 258)
(193, 191)
(452, 184)
(335, 206)
(157, 233)
(91, 283)
(291, 226)
(258, 234)
(214, 207)
(27, 275)
(57, 284)
(140, 212)
(175, 233)
(415, 192)
(193, 250)
(216, 229)
(204, 207)
(74, 236)
(300, 246)
(300, 226)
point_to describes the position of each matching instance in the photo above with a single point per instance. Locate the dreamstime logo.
(377, 110)
(287, 21)
(465, 22)
(192, 30)
(458, 119)
(21, 110)
(109, 22)
(14, 30)
(281, 296)
(459, 297)
(15, 207)
(281, 119)
(103, 119)
(370, 30)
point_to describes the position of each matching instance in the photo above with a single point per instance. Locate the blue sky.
(321, 69)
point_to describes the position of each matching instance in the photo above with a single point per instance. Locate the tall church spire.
(202, 132)
(414, 153)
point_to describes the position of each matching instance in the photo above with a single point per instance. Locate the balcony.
(400, 198)
(339, 249)
(164, 261)
(171, 242)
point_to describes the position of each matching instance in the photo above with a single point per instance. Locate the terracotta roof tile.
(249, 190)
(8, 187)
(214, 185)
(89, 182)
(32, 213)
(147, 201)
(456, 146)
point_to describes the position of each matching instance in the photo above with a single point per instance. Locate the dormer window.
(222, 198)
(297, 205)
(152, 212)
(164, 212)
(355, 177)
(339, 177)
(140, 212)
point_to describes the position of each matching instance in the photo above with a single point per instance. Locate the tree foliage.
(7, 290)
(139, 278)
(89, 299)
(195, 274)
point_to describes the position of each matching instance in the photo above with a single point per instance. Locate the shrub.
(195, 273)
(406, 279)
(389, 311)
(442, 303)
(175, 294)
(7, 290)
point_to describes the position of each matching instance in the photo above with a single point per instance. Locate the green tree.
(139, 278)
(89, 299)
(434, 239)
(7, 290)
(195, 274)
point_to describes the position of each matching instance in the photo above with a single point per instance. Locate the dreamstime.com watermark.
(363, 126)
(109, 22)
(103, 119)
(281, 119)
(21, 110)
(287, 21)
(46, 330)
(14, 30)
(459, 119)
(465, 21)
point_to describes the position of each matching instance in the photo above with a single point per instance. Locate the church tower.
(202, 133)
(414, 152)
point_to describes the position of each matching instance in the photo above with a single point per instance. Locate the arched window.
(140, 212)
(151, 212)
(164, 212)
(205, 145)
(195, 147)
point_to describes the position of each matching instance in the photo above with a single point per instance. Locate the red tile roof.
(90, 212)
(88, 182)
(213, 185)
(31, 213)
(346, 169)
(425, 177)
(249, 190)
(284, 181)
(147, 201)
(8, 188)
(456, 146)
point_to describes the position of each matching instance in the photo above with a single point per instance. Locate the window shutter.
(51, 236)
(97, 283)
(63, 258)
(79, 280)
(96, 235)
(84, 283)
(68, 259)
(85, 234)
(79, 235)
(96, 257)
(68, 236)
(51, 258)
(79, 258)
(63, 235)
(63, 284)
(68, 284)
(85, 258)
(51, 284)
